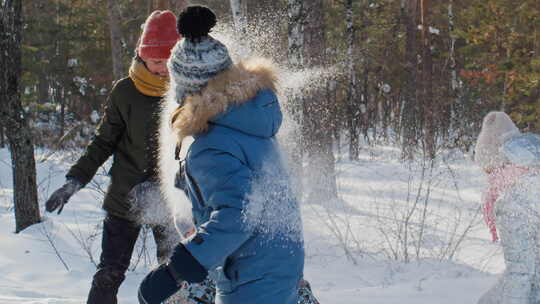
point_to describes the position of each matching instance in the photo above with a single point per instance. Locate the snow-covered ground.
(353, 246)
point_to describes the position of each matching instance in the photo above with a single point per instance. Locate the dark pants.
(118, 241)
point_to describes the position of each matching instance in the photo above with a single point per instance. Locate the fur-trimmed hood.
(249, 86)
(251, 83)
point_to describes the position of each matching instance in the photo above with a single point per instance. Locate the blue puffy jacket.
(249, 230)
(236, 164)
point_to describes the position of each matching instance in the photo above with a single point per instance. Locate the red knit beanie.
(159, 35)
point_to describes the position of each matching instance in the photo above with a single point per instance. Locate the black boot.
(105, 286)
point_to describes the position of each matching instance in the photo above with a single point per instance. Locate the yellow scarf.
(146, 82)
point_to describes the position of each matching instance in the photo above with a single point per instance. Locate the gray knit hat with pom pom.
(198, 57)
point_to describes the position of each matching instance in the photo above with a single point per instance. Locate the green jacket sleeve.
(104, 143)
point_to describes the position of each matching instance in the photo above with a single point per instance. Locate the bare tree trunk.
(116, 40)
(369, 119)
(352, 98)
(452, 51)
(295, 34)
(457, 122)
(410, 124)
(58, 64)
(62, 99)
(367, 115)
(161, 5)
(334, 110)
(320, 172)
(149, 7)
(2, 136)
(392, 101)
(428, 104)
(43, 87)
(14, 118)
(164, 4)
(239, 10)
(295, 58)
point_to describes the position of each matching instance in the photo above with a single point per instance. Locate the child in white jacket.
(512, 205)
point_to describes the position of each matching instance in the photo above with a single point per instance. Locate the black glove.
(61, 196)
(157, 286)
(164, 281)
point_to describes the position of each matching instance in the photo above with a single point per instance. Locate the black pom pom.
(196, 22)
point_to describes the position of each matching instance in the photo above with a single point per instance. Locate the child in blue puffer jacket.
(249, 231)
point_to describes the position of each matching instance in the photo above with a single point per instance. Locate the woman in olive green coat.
(127, 132)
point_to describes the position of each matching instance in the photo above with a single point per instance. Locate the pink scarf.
(499, 180)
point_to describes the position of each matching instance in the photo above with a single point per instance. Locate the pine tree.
(14, 117)
(352, 98)
(502, 65)
(117, 40)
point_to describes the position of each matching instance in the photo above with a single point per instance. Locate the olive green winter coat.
(128, 132)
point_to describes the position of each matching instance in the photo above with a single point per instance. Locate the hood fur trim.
(233, 86)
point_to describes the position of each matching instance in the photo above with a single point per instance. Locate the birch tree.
(239, 10)
(14, 118)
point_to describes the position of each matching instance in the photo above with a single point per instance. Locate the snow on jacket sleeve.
(224, 183)
(107, 136)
